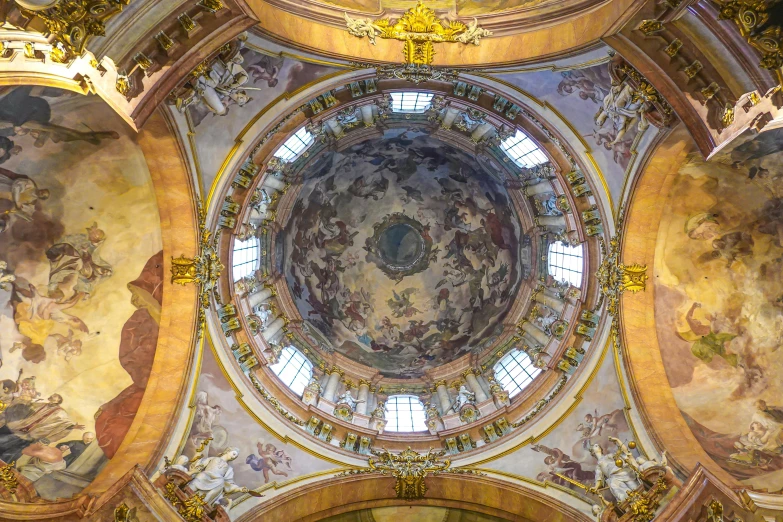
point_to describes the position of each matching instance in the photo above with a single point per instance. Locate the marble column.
(363, 395)
(273, 329)
(330, 390)
(538, 188)
(550, 221)
(535, 332)
(443, 396)
(547, 300)
(274, 183)
(474, 385)
(256, 298)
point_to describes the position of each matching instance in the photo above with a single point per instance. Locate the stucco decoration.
(566, 450)
(265, 78)
(403, 252)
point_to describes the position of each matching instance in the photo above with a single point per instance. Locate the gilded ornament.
(693, 69)
(419, 28)
(123, 513)
(409, 468)
(649, 27)
(194, 508)
(673, 48)
(727, 116)
(186, 22)
(143, 61)
(213, 6)
(203, 270)
(715, 511)
(542, 403)
(164, 41)
(274, 402)
(8, 477)
(59, 54)
(615, 277)
(710, 91)
(642, 504)
(749, 16)
(123, 84)
(73, 22)
(29, 50)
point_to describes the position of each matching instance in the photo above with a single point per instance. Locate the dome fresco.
(403, 252)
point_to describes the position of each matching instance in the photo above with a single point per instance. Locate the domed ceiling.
(403, 252)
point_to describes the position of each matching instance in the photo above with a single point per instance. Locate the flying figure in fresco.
(401, 304)
(268, 460)
(76, 268)
(706, 342)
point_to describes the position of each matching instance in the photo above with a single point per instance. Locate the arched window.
(523, 150)
(294, 369)
(410, 101)
(406, 413)
(245, 258)
(515, 371)
(565, 263)
(295, 145)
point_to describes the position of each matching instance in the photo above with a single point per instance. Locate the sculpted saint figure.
(620, 480)
(464, 397)
(347, 398)
(213, 477)
(380, 411)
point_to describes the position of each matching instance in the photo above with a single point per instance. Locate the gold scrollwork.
(419, 28)
(274, 402)
(203, 270)
(542, 403)
(409, 468)
(73, 22)
(749, 16)
(8, 478)
(613, 276)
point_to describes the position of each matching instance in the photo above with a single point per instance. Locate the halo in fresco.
(403, 252)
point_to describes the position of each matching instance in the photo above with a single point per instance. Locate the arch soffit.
(647, 202)
(154, 422)
(488, 495)
(572, 35)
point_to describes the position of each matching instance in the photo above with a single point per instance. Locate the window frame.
(295, 145)
(416, 424)
(556, 255)
(238, 270)
(521, 146)
(421, 101)
(292, 355)
(511, 366)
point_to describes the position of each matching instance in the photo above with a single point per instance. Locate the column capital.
(364, 382)
(441, 382)
(335, 369)
(471, 371)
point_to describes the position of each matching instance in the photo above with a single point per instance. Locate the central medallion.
(400, 246)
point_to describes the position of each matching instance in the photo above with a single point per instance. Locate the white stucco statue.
(620, 480)
(213, 477)
(221, 83)
(347, 398)
(464, 397)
